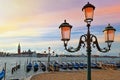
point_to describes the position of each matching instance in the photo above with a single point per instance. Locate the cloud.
(35, 23)
(107, 15)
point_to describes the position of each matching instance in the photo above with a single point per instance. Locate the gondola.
(70, 66)
(42, 66)
(94, 65)
(64, 66)
(56, 66)
(118, 65)
(81, 65)
(2, 74)
(75, 65)
(36, 67)
(28, 67)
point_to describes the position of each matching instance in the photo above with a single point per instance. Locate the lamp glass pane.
(109, 35)
(105, 35)
(65, 31)
(89, 13)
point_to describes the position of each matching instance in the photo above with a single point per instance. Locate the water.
(21, 73)
(11, 62)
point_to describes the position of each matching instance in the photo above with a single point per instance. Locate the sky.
(35, 24)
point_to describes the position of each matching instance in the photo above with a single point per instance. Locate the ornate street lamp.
(87, 40)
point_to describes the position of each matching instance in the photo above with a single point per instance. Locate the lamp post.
(87, 40)
(49, 55)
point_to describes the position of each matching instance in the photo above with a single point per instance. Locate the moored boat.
(94, 65)
(75, 65)
(118, 65)
(42, 66)
(56, 66)
(70, 66)
(36, 67)
(2, 74)
(28, 67)
(64, 65)
(81, 65)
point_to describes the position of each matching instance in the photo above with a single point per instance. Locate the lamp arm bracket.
(96, 44)
(81, 43)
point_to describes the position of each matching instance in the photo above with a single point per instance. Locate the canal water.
(21, 73)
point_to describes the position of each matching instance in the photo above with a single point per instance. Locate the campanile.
(19, 49)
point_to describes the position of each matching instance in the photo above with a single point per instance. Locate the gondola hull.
(75, 65)
(35, 67)
(43, 67)
(2, 74)
(28, 67)
(70, 66)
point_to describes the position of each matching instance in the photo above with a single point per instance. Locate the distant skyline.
(35, 24)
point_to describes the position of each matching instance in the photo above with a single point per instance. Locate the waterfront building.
(29, 53)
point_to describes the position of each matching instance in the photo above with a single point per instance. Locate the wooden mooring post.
(5, 71)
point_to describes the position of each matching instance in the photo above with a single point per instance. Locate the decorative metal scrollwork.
(83, 40)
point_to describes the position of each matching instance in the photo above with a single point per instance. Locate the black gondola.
(29, 67)
(81, 65)
(70, 66)
(42, 66)
(56, 66)
(118, 65)
(94, 65)
(75, 65)
(2, 74)
(64, 66)
(35, 67)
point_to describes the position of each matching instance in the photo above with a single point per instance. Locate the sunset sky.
(35, 24)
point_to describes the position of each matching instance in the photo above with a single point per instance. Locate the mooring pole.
(5, 71)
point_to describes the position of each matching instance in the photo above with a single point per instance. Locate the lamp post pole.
(87, 40)
(88, 54)
(48, 64)
(49, 55)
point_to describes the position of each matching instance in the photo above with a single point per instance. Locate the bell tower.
(19, 49)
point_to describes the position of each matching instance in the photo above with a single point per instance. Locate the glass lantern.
(109, 33)
(65, 31)
(89, 12)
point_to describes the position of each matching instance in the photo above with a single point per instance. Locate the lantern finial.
(65, 21)
(109, 24)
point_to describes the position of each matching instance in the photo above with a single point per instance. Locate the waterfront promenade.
(79, 75)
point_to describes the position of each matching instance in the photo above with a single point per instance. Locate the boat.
(75, 65)
(118, 65)
(85, 64)
(95, 66)
(2, 74)
(56, 66)
(81, 65)
(70, 66)
(36, 67)
(28, 67)
(42, 66)
(64, 65)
